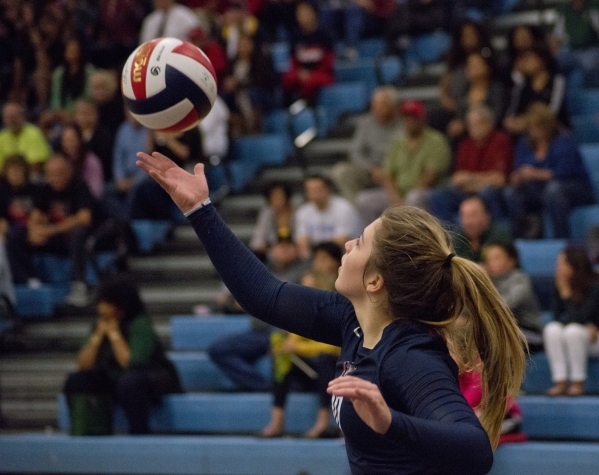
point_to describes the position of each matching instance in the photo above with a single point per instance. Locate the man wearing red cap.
(415, 162)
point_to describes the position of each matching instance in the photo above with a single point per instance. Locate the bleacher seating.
(149, 233)
(197, 333)
(185, 455)
(582, 219)
(342, 98)
(590, 155)
(585, 128)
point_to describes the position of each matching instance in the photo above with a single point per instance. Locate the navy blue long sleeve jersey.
(433, 430)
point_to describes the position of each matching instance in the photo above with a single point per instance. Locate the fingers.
(156, 161)
(198, 169)
(350, 386)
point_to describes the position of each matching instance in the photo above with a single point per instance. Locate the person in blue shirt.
(400, 288)
(549, 176)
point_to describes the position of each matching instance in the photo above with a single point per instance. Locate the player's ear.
(374, 282)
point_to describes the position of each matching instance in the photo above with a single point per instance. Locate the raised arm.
(311, 313)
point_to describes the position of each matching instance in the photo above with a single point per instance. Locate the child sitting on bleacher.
(298, 360)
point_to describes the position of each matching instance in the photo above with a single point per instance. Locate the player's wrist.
(197, 207)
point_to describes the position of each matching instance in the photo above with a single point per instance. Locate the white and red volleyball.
(168, 85)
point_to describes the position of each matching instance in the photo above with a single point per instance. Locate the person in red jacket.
(312, 57)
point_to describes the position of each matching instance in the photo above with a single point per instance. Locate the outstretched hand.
(367, 400)
(186, 190)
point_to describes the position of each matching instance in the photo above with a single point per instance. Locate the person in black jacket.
(122, 362)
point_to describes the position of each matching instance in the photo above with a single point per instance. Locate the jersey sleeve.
(308, 312)
(437, 423)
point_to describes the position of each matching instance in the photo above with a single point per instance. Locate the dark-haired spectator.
(325, 216)
(169, 19)
(59, 223)
(7, 57)
(573, 335)
(476, 229)
(248, 87)
(576, 36)
(276, 218)
(520, 40)
(86, 164)
(469, 37)
(104, 91)
(549, 176)
(117, 31)
(213, 49)
(482, 165)
(502, 263)
(482, 88)
(415, 162)
(20, 137)
(539, 83)
(70, 80)
(312, 57)
(372, 136)
(237, 22)
(122, 362)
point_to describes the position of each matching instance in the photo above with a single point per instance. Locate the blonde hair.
(540, 115)
(411, 251)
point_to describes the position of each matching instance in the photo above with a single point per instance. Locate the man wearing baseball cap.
(415, 162)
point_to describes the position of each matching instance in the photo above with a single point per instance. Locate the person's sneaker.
(78, 296)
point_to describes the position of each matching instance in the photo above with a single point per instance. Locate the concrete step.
(168, 299)
(172, 268)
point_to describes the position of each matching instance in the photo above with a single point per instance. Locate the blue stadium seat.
(538, 375)
(427, 49)
(56, 269)
(585, 128)
(590, 155)
(280, 56)
(337, 99)
(149, 233)
(587, 102)
(560, 418)
(198, 333)
(582, 219)
(39, 302)
(249, 154)
(390, 70)
(197, 372)
(371, 48)
(537, 257)
(362, 70)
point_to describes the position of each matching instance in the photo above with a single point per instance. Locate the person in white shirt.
(325, 217)
(169, 19)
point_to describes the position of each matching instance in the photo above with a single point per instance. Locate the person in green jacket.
(122, 362)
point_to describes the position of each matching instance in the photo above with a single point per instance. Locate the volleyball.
(168, 85)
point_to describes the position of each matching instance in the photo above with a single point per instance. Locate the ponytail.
(493, 342)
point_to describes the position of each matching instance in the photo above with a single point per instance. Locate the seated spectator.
(168, 20)
(276, 218)
(370, 143)
(476, 229)
(538, 83)
(482, 88)
(213, 49)
(312, 57)
(22, 138)
(248, 87)
(122, 362)
(214, 132)
(415, 162)
(86, 164)
(98, 138)
(501, 261)
(521, 39)
(298, 360)
(573, 334)
(149, 200)
(70, 80)
(131, 137)
(325, 216)
(236, 22)
(549, 176)
(59, 223)
(469, 37)
(482, 165)
(575, 36)
(237, 354)
(104, 91)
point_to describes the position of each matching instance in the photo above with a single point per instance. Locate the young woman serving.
(400, 288)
